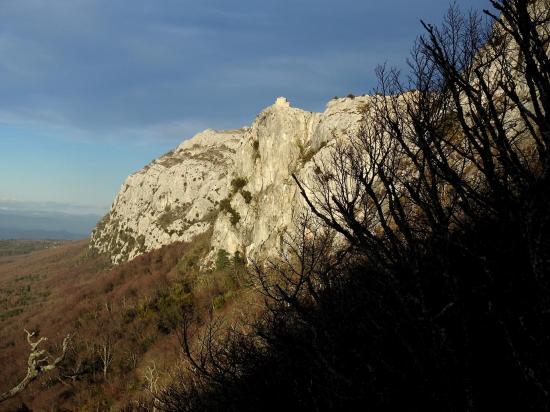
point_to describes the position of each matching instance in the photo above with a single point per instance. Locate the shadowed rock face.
(237, 182)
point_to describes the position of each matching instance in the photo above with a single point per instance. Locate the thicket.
(225, 206)
(419, 281)
(237, 185)
(256, 149)
(247, 196)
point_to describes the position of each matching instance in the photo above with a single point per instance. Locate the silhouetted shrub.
(438, 300)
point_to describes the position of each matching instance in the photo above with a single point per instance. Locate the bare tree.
(39, 362)
(464, 142)
(307, 267)
(443, 198)
(106, 353)
(465, 138)
(151, 379)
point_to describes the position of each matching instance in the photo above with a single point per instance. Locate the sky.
(92, 90)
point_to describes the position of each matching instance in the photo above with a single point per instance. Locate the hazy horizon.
(47, 220)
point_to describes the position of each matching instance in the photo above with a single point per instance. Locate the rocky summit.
(237, 183)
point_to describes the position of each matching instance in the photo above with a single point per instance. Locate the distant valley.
(16, 247)
(25, 223)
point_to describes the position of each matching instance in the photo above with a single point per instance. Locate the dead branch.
(39, 361)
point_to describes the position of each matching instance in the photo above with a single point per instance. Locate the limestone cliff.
(236, 182)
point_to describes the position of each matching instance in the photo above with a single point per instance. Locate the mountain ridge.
(238, 182)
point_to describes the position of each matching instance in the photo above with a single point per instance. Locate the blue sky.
(92, 90)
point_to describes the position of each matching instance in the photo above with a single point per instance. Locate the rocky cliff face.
(237, 183)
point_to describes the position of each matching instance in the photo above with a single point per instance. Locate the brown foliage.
(122, 318)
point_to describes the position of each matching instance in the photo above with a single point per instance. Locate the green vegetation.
(229, 277)
(169, 160)
(23, 247)
(306, 154)
(225, 206)
(171, 214)
(238, 183)
(23, 292)
(214, 155)
(235, 218)
(247, 196)
(10, 313)
(218, 302)
(222, 260)
(256, 148)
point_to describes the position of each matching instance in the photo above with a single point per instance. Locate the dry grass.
(135, 306)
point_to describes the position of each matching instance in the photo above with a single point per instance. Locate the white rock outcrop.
(238, 182)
